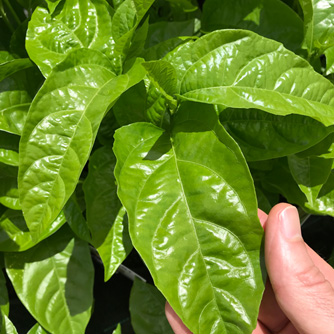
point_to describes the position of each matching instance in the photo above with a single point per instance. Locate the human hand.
(299, 295)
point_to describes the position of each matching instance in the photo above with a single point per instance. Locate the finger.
(301, 289)
(260, 329)
(262, 217)
(175, 322)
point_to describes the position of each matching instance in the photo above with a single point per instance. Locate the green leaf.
(7, 326)
(9, 157)
(4, 301)
(77, 24)
(14, 233)
(117, 330)
(324, 149)
(160, 32)
(104, 211)
(60, 131)
(9, 196)
(318, 24)
(37, 329)
(9, 65)
(52, 4)
(329, 53)
(269, 18)
(310, 174)
(163, 75)
(14, 106)
(185, 5)
(266, 200)
(131, 106)
(263, 136)
(240, 69)
(147, 309)
(60, 272)
(204, 258)
(75, 219)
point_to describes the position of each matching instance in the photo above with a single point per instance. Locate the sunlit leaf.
(60, 272)
(204, 258)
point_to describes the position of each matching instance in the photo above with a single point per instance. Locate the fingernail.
(290, 223)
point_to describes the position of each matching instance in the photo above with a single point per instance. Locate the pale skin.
(299, 294)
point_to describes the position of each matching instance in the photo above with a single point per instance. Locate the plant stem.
(5, 18)
(16, 18)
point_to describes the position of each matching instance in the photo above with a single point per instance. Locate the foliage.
(160, 125)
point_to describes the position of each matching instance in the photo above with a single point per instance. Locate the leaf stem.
(11, 9)
(5, 18)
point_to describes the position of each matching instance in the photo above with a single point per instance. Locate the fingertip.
(174, 321)
(262, 217)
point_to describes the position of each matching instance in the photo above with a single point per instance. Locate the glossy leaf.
(81, 24)
(318, 24)
(125, 22)
(8, 326)
(14, 233)
(324, 149)
(52, 5)
(204, 258)
(104, 211)
(240, 69)
(61, 128)
(117, 330)
(263, 136)
(10, 65)
(9, 157)
(269, 18)
(4, 301)
(14, 106)
(37, 329)
(61, 273)
(310, 174)
(147, 310)
(329, 60)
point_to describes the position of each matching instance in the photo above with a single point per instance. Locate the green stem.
(5, 18)
(16, 18)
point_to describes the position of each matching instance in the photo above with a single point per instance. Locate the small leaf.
(270, 18)
(240, 69)
(14, 233)
(117, 330)
(204, 258)
(61, 273)
(104, 211)
(310, 174)
(147, 310)
(263, 136)
(10, 65)
(61, 128)
(329, 53)
(78, 24)
(37, 329)
(9, 157)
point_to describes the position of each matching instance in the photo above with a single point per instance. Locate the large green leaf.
(240, 69)
(10, 65)
(61, 128)
(204, 258)
(104, 211)
(147, 310)
(310, 173)
(14, 233)
(263, 136)
(269, 18)
(318, 24)
(77, 24)
(60, 272)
